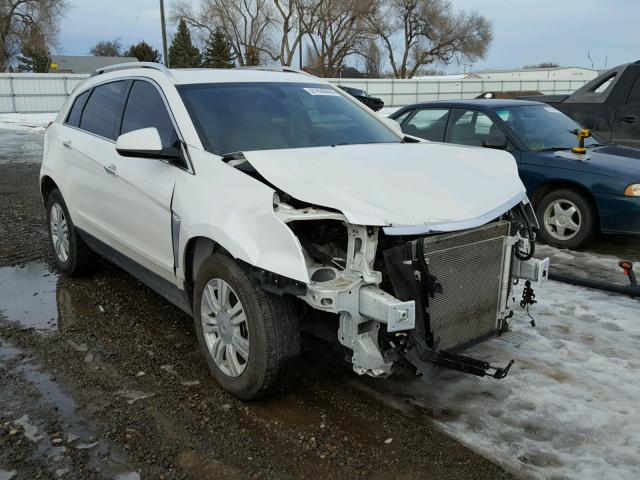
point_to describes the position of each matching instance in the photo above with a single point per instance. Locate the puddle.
(34, 297)
(28, 296)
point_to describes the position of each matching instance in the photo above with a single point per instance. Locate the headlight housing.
(632, 190)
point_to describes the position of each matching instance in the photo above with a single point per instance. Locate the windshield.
(235, 117)
(542, 127)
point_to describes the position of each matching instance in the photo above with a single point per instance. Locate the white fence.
(397, 93)
(46, 92)
(35, 92)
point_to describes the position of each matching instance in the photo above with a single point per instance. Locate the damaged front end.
(420, 297)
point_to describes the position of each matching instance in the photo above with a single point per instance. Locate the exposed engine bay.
(419, 298)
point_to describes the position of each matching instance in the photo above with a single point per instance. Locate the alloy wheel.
(562, 219)
(59, 232)
(225, 328)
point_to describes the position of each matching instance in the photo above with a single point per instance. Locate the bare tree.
(337, 30)
(372, 59)
(18, 18)
(428, 32)
(542, 65)
(107, 48)
(246, 23)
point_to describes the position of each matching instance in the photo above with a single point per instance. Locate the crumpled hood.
(404, 184)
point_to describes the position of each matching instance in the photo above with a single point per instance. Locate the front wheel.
(568, 219)
(250, 338)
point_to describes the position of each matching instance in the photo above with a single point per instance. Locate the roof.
(184, 76)
(84, 63)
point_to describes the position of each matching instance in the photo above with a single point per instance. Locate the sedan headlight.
(633, 190)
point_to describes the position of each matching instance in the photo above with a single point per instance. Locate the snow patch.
(26, 121)
(568, 408)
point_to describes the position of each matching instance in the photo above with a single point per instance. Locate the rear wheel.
(250, 338)
(568, 219)
(72, 254)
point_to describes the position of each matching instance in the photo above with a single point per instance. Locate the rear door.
(626, 127)
(89, 140)
(145, 185)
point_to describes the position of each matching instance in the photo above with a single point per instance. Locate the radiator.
(470, 267)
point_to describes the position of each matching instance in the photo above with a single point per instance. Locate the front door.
(145, 185)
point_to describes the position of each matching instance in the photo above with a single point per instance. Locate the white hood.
(433, 186)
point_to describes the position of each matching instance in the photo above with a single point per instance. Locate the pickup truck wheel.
(72, 254)
(567, 218)
(250, 338)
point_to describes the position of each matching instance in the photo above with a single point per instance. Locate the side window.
(472, 128)
(634, 94)
(75, 112)
(103, 109)
(606, 83)
(428, 123)
(145, 108)
(402, 117)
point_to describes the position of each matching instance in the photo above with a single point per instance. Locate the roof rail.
(277, 68)
(129, 65)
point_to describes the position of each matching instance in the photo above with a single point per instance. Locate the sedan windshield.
(235, 117)
(542, 127)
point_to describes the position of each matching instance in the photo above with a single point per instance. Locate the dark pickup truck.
(609, 105)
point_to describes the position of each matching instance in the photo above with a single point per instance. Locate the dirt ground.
(101, 378)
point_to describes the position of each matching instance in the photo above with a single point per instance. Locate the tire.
(269, 334)
(568, 219)
(77, 258)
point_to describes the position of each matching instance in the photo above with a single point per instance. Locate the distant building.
(84, 63)
(524, 74)
(554, 73)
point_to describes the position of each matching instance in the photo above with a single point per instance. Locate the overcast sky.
(525, 31)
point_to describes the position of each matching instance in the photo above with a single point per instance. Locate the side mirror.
(145, 142)
(496, 143)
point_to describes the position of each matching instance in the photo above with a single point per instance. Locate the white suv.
(244, 195)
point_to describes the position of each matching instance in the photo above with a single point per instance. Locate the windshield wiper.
(553, 149)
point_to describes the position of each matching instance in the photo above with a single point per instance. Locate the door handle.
(111, 170)
(66, 144)
(629, 119)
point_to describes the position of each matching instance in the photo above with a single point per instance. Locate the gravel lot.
(101, 378)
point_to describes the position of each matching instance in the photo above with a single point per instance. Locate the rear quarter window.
(73, 118)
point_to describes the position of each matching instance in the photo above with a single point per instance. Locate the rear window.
(73, 118)
(102, 112)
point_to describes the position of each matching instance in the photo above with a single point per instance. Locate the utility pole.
(165, 54)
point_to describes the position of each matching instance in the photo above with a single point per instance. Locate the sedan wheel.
(224, 326)
(562, 219)
(569, 219)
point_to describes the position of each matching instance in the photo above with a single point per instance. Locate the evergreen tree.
(34, 54)
(218, 53)
(182, 53)
(143, 52)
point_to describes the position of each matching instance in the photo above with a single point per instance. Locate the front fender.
(235, 211)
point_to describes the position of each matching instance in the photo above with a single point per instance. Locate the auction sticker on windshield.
(321, 91)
